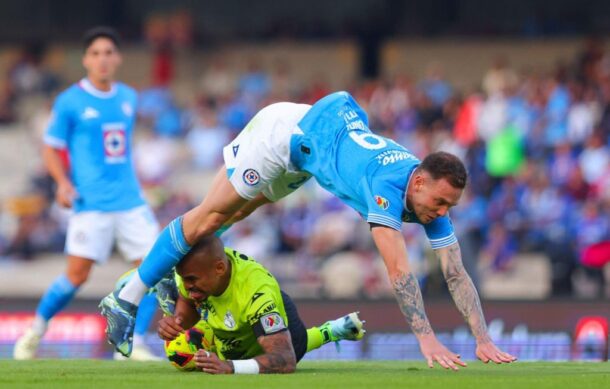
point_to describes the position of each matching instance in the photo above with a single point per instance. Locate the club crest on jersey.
(127, 109)
(115, 143)
(272, 322)
(251, 177)
(382, 202)
(229, 320)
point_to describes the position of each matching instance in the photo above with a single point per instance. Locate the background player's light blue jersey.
(366, 171)
(96, 128)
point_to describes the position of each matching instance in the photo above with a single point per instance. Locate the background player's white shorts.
(258, 160)
(92, 234)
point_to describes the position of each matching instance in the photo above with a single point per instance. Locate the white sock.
(138, 340)
(134, 290)
(39, 325)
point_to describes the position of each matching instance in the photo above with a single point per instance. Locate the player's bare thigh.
(248, 208)
(219, 205)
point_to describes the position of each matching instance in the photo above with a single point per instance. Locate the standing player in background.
(93, 121)
(283, 146)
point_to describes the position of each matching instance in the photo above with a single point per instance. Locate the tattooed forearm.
(408, 294)
(279, 355)
(463, 291)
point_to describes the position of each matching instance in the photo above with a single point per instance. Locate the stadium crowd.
(537, 148)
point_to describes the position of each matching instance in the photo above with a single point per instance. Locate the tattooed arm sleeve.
(279, 354)
(406, 287)
(463, 290)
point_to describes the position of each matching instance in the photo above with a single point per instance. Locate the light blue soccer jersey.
(366, 171)
(96, 128)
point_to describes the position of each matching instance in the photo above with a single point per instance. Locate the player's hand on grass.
(434, 351)
(210, 363)
(65, 194)
(170, 327)
(487, 351)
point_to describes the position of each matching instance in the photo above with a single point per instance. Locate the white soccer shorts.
(92, 234)
(258, 160)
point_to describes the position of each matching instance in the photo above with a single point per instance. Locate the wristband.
(246, 366)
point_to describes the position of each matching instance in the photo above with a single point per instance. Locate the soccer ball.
(181, 351)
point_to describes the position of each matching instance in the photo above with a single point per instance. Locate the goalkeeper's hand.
(170, 327)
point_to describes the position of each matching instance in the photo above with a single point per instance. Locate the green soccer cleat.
(167, 294)
(121, 320)
(348, 327)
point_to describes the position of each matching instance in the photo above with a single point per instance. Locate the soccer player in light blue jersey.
(93, 122)
(284, 145)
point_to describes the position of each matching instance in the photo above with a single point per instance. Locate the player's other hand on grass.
(65, 194)
(487, 351)
(210, 363)
(434, 351)
(170, 327)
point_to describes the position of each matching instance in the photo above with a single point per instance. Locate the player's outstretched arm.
(392, 248)
(279, 354)
(278, 357)
(468, 303)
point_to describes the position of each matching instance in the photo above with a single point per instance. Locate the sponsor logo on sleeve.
(272, 323)
(251, 177)
(382, 202)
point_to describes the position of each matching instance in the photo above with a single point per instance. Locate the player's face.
(432, 198)
(200, 283)
(101, 60)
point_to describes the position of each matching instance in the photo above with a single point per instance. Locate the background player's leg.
(144, 318)
(57, 296)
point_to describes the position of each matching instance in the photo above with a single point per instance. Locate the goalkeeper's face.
(205, 278)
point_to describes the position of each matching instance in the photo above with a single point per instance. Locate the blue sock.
(146, 313)
(167, 251)
(222, 230)
(59, 294)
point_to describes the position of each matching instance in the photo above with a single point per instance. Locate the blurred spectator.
(206, 139)
(155, 158)
(556, 111)
(499, 78)
(594, 159)
(434, 85)
(217, 81)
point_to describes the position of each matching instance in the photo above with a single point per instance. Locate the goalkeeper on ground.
(256, 327)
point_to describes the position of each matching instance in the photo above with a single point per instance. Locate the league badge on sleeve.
(382, 202)
(251, 177)
(272, 323)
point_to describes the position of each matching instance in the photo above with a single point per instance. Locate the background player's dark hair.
(100, 32)
(447, 166)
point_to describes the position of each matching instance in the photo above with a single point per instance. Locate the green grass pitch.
(317, 375)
